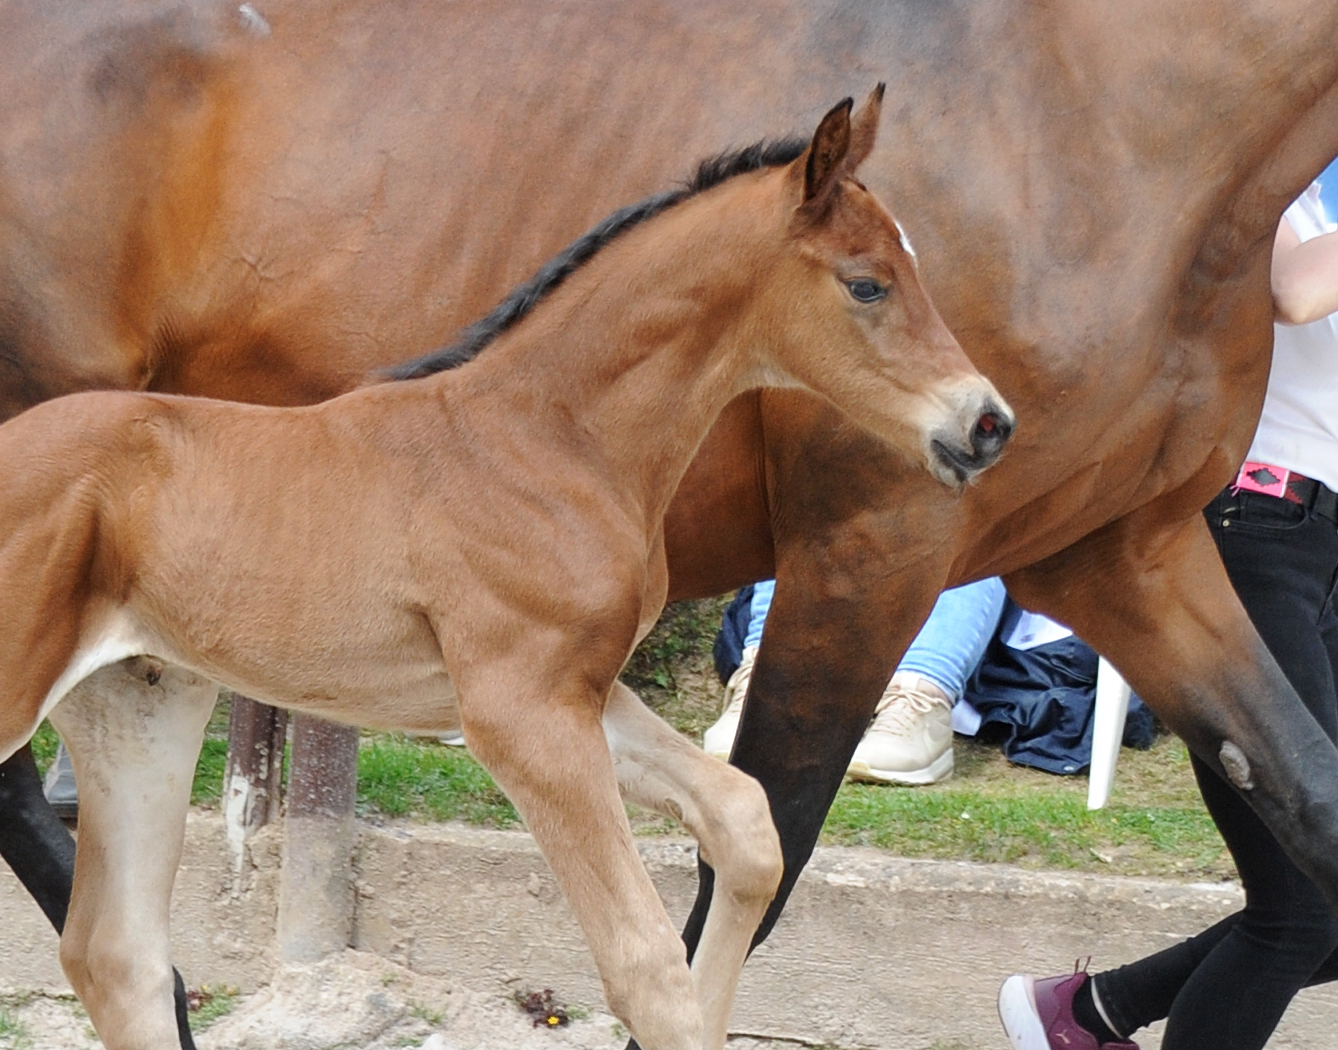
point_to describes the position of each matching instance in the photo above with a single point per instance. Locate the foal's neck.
(639, 351)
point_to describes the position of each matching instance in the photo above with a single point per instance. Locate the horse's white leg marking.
(134, 731)
(547, 751)
(727, 811)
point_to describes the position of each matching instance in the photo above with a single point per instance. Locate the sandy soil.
(355, 1000)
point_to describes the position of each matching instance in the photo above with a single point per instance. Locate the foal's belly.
(377, 677)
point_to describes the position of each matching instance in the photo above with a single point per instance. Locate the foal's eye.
(866, 290)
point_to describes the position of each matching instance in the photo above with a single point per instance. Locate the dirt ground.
(356, 1000)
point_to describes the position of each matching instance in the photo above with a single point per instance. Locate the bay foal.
(481, 546)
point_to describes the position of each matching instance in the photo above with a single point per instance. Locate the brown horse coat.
(482, 547)
(199, 201)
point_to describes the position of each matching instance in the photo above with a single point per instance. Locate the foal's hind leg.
(550, 756)
(726, 810)
(35, 843)
(1156, 601)
(135, 761)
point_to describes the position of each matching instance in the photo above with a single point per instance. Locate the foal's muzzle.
(957, 456)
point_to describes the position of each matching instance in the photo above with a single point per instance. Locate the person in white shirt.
(1276, 528)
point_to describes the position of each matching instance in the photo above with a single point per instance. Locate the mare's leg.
(834, 634)
(33, 841)
(1153, 597)
(134, 731)
(727, 812)
(547, 750)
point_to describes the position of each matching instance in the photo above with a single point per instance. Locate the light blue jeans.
(949, 645)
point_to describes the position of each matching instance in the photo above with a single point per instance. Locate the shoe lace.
(901, 706)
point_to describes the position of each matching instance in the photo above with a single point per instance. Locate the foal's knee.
(746, 854)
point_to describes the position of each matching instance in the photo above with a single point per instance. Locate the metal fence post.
(253, 778)
(316, 881)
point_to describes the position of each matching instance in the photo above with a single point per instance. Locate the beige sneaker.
(719, 739)
(910, 738)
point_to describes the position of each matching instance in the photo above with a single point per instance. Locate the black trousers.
(1227, 988)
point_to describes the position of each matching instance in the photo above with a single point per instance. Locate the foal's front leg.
(726, 810)
(550, 757)
(135, 762)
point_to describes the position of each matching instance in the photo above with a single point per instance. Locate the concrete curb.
(874, 951)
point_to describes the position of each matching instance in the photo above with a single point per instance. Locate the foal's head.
(847, 317)
(810, 275)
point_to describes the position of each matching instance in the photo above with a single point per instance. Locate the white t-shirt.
(1299, 425)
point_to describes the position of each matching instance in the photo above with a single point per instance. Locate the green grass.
(402, 777)
(1044, 829)
(988, 811)
(209, 1003)
(44, 750)
(672, 671)
(208, 788)
(13, 1032)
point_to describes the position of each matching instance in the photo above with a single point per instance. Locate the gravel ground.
(355, 1000)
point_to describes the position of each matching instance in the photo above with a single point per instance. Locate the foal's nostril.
(991, 433)
(960, 457)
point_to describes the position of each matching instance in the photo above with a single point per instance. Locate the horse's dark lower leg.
(800, 787)
(823, 664)
(801, 773)
(33, 841)
(37, 846)
(1158, 603)
(182, 1010)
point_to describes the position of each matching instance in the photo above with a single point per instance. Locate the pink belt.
(1275, 481)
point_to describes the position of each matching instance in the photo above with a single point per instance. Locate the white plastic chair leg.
(1112, 707)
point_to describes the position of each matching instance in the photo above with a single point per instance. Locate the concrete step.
(874, 951)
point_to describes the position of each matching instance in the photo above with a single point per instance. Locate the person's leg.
(757, 613)
(718, 740)
(1227, 987)
(910, 738)
(954, 638)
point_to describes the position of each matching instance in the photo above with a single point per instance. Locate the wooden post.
(316, 882)
(253, 780)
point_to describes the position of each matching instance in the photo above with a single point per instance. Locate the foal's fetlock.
(649, 988)
(662, 1020)
(115, 986)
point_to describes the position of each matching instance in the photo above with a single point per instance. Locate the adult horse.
(481, 547)
(263, 202)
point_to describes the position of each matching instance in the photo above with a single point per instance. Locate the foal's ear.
(864, 129)
(825, 159)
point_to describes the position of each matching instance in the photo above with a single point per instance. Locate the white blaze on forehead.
(253, 20)
(905, 241)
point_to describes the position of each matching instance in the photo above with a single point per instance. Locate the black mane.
(522, 300)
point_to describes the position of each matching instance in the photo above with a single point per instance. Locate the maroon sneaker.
(1038, 1015)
